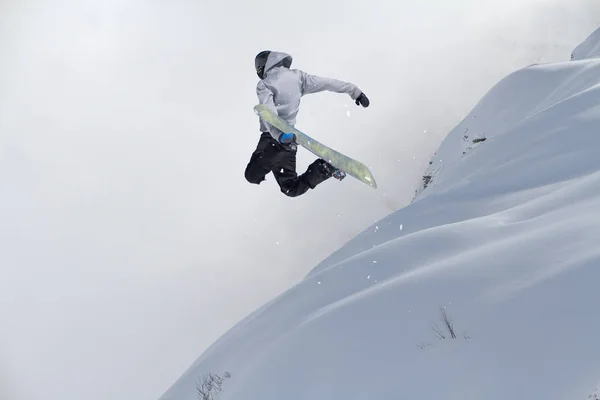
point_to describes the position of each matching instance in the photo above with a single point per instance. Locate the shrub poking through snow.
(446, 330)
(448, 326)
(210, 385)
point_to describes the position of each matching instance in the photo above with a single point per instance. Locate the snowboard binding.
(339, 174)
(333, 171)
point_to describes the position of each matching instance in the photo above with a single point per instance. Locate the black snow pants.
(271, 156)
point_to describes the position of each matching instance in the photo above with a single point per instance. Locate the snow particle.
(369, 277)
(374, 261)
(348, 113)
(319, 283)
(400, 226)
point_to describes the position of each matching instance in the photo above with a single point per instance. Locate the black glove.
(362, 100)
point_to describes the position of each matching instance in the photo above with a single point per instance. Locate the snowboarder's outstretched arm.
(315, 84)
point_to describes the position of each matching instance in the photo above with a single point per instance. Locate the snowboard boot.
(332, 171)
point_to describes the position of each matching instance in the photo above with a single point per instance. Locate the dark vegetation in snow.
(210, 385)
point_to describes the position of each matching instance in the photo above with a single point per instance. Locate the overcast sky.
(129, 239)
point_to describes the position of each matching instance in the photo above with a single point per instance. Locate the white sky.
(129, 239)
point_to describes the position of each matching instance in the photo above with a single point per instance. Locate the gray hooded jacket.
(282, 88)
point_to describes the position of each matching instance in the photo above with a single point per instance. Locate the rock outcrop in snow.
(504, 239)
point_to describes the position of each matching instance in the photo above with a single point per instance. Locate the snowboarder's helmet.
(260, 61)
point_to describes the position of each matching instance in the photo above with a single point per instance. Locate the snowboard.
(349, 165)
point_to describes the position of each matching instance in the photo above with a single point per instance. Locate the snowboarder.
(280, 88)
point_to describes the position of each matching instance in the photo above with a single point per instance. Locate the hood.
(277, 58)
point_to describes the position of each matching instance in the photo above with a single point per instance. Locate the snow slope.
(504, 236)
(590, 48)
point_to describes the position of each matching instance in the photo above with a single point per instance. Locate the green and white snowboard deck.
(349, 165)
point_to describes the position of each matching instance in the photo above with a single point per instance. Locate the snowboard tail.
(349, 165)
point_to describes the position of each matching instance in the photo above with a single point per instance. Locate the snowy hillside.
(504, 237)
(590, 48)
